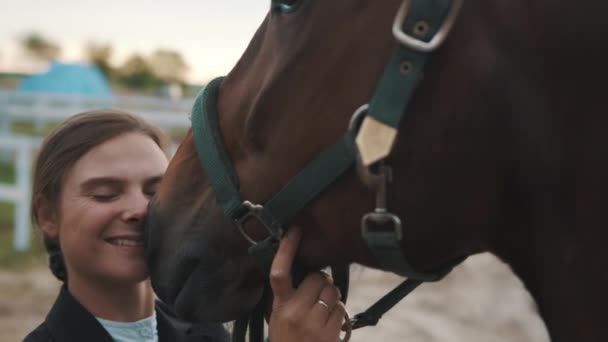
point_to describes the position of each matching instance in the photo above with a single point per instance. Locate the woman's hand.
(313, 311)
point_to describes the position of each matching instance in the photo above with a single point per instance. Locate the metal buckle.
(438, 38)
(381, 221)
(253, 210)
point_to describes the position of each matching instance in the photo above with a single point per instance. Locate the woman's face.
(102, 208)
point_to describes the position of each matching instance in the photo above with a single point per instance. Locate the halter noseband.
(420, 27)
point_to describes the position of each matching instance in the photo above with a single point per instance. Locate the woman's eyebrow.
(99, 181)
(115, 181)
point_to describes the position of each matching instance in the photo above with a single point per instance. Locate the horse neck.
(554, 119)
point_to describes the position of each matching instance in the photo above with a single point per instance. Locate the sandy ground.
(480, 301)
(25, 298)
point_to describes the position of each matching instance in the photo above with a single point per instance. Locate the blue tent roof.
(62, 78)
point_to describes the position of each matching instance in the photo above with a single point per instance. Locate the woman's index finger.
(280, 272)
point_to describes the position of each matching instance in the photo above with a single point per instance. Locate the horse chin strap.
(420, 27)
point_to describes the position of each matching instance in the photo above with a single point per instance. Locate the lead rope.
(264, 253)
(383, 228)
(254, 322)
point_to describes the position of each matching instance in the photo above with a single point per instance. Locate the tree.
(40, 47)
(168, 65)
(135, 73)
(100, 54)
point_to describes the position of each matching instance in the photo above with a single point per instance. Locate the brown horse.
(503, 149)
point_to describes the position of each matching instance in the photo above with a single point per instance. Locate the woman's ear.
(47, 216)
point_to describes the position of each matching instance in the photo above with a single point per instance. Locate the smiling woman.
(92, 182)
(85, 162)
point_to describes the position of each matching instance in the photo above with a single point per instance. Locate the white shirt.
(144, 330)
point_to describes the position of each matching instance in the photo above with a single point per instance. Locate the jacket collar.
(68, 320)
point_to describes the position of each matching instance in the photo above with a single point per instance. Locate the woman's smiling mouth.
(135, 241)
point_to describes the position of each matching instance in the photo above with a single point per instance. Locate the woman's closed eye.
(104, 196)
(103, 189)
(105, 192)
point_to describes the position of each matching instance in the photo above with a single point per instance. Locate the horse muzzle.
(194, 276)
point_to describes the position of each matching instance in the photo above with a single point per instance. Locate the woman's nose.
(137, 207)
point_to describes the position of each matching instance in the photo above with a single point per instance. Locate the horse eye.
(285, 6)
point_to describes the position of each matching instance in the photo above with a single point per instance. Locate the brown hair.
(64, 146)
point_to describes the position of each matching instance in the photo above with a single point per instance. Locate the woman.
(92, 182)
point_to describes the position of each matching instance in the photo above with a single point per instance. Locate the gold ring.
(347, 327)
(323, 303)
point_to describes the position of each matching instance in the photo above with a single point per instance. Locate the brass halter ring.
(347, 327)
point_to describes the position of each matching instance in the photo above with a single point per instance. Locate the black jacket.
(69, 321)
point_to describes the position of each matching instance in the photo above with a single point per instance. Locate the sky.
(211, 35)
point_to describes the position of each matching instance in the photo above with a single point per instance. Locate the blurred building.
(69, 79)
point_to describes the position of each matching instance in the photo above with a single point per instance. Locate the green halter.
(388, 105)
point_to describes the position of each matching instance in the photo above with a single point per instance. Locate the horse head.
(477, 164)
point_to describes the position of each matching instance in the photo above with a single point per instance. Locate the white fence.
(42, 109)
(19, 193)
(49, 109)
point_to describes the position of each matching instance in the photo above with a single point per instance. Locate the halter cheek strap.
(276, 212)
(288, 201)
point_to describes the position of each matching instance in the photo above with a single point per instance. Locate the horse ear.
(46, 216)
